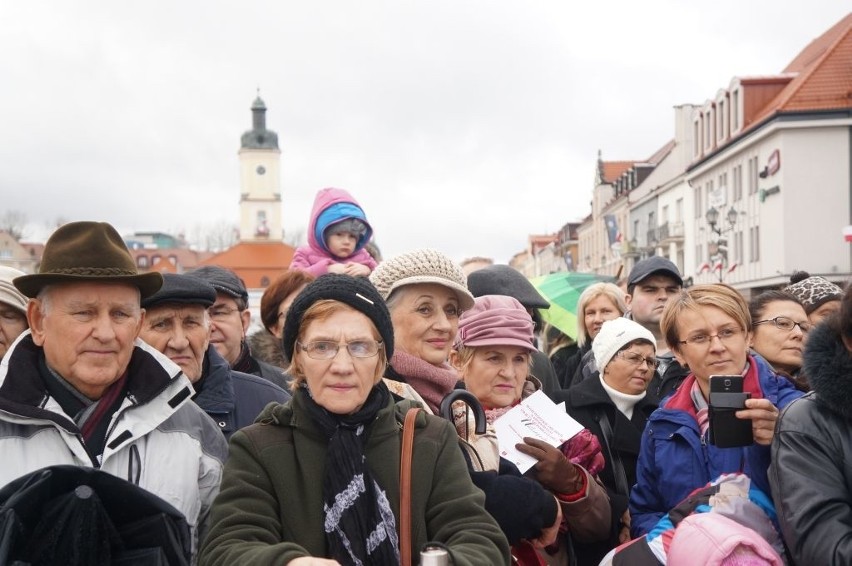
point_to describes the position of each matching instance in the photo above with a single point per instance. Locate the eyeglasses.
(785, 323)
(221, 313)
(327, 350)
(637, 359)
(724, 335)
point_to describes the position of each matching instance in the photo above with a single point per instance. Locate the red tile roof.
(255, 262)
(612, 170)
(824, 75)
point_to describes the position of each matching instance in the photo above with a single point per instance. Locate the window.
(664, 217)
(652, 221)
(735, 110)
(264, 281)
(635, 234)
(679, 210)
(738, 246)
(723, 186)
(696, 136)
(752, 175)
(142, 261)
(721, 120)
(754, 244)
(737, 182)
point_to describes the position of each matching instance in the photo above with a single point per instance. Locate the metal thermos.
(434, 556)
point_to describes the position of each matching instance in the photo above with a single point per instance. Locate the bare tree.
(215, 237)
(13, 222)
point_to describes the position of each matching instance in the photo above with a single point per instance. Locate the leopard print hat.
(814, 291)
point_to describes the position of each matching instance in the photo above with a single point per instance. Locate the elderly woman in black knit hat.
(318, 477)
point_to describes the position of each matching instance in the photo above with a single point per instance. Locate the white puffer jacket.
(158, 438)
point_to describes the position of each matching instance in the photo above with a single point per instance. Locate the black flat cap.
(223, 280)
(508, 281)
(182, 289)
(651, 266)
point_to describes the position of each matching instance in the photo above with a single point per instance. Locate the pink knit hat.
(496, 320)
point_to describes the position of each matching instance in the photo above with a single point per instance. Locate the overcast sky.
(459, 125)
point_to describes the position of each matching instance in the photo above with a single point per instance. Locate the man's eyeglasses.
(221, 313)
(785, 323)
(723, 335)
(326, 349)
(637, 359)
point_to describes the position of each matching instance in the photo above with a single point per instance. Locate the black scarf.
(359, 523)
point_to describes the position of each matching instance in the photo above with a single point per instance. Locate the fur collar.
(828, 365)
(267, 348)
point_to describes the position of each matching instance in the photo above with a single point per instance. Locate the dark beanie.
(181, 289)
(357, 292)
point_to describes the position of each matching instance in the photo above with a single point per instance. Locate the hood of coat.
(828, 365)
(333, 205)
(264, 346)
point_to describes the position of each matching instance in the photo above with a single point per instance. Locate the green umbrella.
(563, 290)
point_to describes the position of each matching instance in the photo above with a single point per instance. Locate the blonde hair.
(611, 291)
(718, 295)
(319, 311)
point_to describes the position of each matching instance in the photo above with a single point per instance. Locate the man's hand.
(553, 470)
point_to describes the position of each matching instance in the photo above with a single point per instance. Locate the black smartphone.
(726, 398)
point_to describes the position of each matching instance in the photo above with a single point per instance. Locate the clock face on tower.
(261, 169)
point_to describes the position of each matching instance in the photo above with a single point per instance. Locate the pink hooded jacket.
(331, 206)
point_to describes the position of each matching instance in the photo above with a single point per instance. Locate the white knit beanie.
(614, 335)
(421, 266)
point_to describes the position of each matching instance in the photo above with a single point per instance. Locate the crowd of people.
(285, 446)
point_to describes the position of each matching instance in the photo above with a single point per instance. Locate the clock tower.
(260, 180)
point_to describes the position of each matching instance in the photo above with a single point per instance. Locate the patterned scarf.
(702, 410)
(359, 523)
(431, 382)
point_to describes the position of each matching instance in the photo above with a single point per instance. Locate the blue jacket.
(674, 459)
(231, 398)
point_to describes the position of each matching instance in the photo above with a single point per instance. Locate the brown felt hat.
(87, 251)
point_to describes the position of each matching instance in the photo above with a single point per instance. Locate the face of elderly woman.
(711, 343)
(631, 369)
(340, 384)
(781, 348)
(496, 374)
(425, 320)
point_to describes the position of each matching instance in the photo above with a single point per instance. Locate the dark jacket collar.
(591, 393)
(215, 390)
(828, 365)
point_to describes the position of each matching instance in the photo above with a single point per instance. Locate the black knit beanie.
(357, 292)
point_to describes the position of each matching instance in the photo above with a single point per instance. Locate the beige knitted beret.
(421, 266)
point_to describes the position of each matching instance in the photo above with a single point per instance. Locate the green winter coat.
(269, 508)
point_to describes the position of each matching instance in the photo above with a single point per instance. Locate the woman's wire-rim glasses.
(327, 349)
(723, 335)
(785, 323)
(637, 359)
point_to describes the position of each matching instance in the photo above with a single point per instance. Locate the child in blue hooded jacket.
(337, 234)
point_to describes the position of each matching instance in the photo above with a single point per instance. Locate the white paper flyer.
(537, 417)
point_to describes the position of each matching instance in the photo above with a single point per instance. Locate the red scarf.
(431, 382)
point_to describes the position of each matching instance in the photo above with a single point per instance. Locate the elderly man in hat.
(13, 309)
(229, 322)
(79, 388)
(178, 325)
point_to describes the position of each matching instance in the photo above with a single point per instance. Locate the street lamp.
(721, 254)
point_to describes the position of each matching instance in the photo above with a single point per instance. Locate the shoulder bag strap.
(405, 487)
(617, 466)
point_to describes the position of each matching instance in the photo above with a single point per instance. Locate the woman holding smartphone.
(708, 328)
